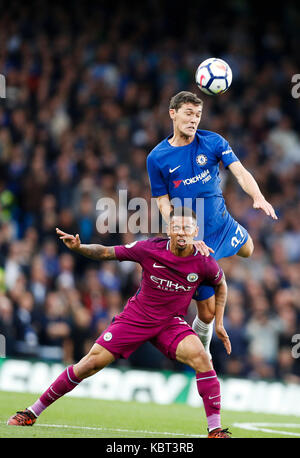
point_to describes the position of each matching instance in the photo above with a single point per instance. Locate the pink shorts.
(123, 337)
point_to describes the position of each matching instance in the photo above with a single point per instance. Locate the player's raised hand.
(260, 202)
(222, 334)
(71, 241)
(203, 248)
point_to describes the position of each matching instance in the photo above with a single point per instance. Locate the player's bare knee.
(87, 366)
(251, 247)
(206, 316)
(199, 360)
(247, 250)
(93, 362)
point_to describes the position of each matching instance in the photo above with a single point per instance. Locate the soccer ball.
(213, 76)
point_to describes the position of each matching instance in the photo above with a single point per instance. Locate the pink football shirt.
(168, 281)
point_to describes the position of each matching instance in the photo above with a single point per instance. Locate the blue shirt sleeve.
(225, 153)
(157, 183)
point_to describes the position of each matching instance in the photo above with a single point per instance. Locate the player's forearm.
(220, 301)
(165, 207)
(248, 184)
(96, 252)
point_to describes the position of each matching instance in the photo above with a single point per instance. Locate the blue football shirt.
(190, 176)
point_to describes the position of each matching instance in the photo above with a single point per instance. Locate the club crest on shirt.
(107, 336)
(192, 277)
(201, 159)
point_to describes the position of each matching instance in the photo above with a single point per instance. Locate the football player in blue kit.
(184, 170)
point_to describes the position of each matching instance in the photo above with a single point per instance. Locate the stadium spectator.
(86, 97)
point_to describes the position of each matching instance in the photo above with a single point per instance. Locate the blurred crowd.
(88, 86)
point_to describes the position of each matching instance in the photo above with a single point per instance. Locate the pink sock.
(64, 383)
(209, 389)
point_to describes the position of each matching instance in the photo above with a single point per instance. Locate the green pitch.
(72, 417)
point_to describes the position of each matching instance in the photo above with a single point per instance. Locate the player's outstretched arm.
(91, 251)
(250, 186)
(220, 300)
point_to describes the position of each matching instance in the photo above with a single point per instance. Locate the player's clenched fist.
(71, 241)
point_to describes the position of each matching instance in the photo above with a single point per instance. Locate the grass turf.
(72, 417)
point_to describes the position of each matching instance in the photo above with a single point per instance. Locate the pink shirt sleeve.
(132, 252)
(214, 273)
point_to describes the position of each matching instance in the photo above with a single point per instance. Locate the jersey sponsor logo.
(201, 159)
(228, 151)
(173, 170)
(107, 336)
(192, 277)
(158, 266)
(203, 176)
(169, 285)
(177, 183)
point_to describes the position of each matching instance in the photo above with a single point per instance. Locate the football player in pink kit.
(172, 271)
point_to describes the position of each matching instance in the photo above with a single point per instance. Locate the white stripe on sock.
(205, 378)
(70, 377)
(54, 392)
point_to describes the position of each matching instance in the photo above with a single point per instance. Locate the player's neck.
(180, 139)
(182, 253)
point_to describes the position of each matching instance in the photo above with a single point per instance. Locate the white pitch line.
(118, 430)
(262, 427)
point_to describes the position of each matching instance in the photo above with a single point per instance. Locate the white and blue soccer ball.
(213, 76)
